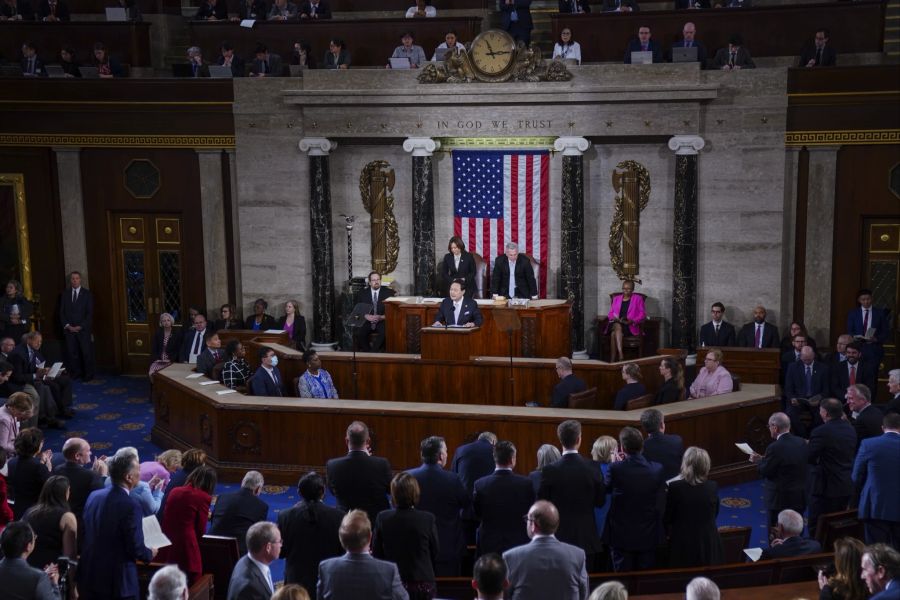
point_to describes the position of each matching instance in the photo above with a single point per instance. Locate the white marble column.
(71, 207)
(235, 227)
(212, 210)
(820, 240)
(422, 149)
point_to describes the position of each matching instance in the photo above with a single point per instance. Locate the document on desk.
(153, 535)
(194, 376)
(223, 392)
(208, 382)
(745, 448)
(274, 331)
(248, 23)
(753, 553)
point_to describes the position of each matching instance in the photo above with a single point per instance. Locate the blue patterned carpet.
(116, 411)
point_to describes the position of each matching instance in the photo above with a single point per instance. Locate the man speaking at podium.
(457, 310)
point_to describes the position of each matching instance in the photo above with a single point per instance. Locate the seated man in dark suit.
(521, 284)
(374, 295)
(212, 355)
(315, 9)
(212, 10)
(30, 368)
(192, 341)
(819, 53)
(805, 379)
(457, 310)
(689, 32)
(789, 541)
(252, 578)
(266, 64)
(359, 480)
(735, 57)
(620, 6)
(865, 416)
(661, 447)
(569, 384)
(32, 65)
(199, 68)
(227, 58)
(18, 579)
(853, 370)
(718, 333)
(267, 380)
(500, 500)
(234, 513)
(759, 333)
(643, 43)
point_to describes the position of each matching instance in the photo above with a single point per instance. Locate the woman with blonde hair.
(631, 373)
(291, 591)
(294, 324)
(604, 452)
(692, 505)
(611, 590)
(165, 464)
(713, 379)
(547, 454)
(166, 342)
(845, 583)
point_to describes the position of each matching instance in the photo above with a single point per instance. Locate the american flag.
(502, 196)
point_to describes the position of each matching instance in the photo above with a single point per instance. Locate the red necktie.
(852, 374)
(865, 320)
(758, 336)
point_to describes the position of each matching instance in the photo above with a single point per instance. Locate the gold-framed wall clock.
(492, 55)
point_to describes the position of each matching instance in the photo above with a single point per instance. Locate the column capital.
(317, 146)
(420, 146)
(571, 145)
(686, 144)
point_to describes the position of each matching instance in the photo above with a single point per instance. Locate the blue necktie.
(808, 381)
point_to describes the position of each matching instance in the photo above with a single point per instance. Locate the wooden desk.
(767, 31)
(802, 589)
(284, 436)
(451, 343)
(753, 365)
(545, 332)
(248, 335)
(147, 7)
(127, 42)
(369, 41)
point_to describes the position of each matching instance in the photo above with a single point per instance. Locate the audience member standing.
(866, 417)
(252, 577)
(55, 527)
(661, 447)
(471, 462)
(76, 314)
(875, 475)
(359, 480)
(783, 468)
(235, 513)
(190, 460)
(692, 505)
(187, 513)
(501, 499)
(32, 470)
(832, 447)
(489, 577)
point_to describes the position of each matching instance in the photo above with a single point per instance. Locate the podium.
(451, 343)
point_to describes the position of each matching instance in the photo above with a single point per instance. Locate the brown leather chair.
(644, 401)
(834, 526)
(481, 286)
(630, 342)
(220, 554)
(735, 383)
(734, 540)
(585, 400)
(217, 371)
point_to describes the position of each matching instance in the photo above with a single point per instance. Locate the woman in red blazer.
(627, 309)
(184, 521)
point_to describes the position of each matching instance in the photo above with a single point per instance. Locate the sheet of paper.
(248, 23)
(223, 392)
(55, 369)
(745, 448)
(211, 382)
(274, 331)
(753, 553)
(194, 376)
(153, 535)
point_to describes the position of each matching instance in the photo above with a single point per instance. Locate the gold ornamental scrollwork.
(631, 182)
(17, 182)
(527, 64)
(375, 185)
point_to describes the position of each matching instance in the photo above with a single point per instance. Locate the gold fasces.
(375, 185)
(631, 181)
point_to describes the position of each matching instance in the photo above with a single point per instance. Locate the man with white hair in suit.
(701, 588)
(169, 583)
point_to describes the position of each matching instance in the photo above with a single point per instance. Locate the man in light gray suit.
(19, 580)
(357, 574)
(546, 567)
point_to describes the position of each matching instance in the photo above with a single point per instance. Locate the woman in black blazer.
(672, 389)
(259, 320)
(458, 264)
(692, 505)
(227, 318)
(408, 537)
(166, 342)
(294, 323)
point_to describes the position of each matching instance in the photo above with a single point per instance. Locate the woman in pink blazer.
(628, 309)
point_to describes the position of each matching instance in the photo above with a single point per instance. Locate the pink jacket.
(636, 312)
(711, 384)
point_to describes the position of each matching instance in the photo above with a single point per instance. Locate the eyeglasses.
(528, 519)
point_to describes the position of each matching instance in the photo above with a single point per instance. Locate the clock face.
(492, 52)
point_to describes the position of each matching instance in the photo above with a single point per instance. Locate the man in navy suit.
(522, 284)
(718, 332)
(76, 314)
(569, 384)
(643, 43)
(374, 295)
(193, 342)
(267, 380)
(457, 310)
(853, 370)
(789, 540)
(471, 462)
(359, 480)
(113, 536)
(575, 488)
(831, 449)
(783, 468)
(875, 475)
(804, 379)
(865, 416)
(661, 447)
(235, 513)
(865, 317)
(636, 487)
(689, 32)
(252, 578)
(758, 333)
(500, 500)
(515, 18)
(442, 494)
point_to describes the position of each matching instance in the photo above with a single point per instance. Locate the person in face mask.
(315, 381)
(267, 380)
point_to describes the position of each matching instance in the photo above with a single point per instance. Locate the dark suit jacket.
(701, 52)
(793, 546)
(323, 11)
(268, 322)
(274, 69)
(575, 487)
(832, 447)
(629, 391)
(359, 576)
(82, 481)
(442, 494)
(62, 10)
(724, 338)
(235, 513)
(299, 337)
(81, 313)
(565, 6)
(829, 56)
(23, 369)
(219, 11)
(187, 340)
(409, 538)
(466, 272)
(257, 11)
(523, 10)
(570, 384)
(795, 380)
(261, 383)
(875, 477)
(113, 541)
(247, 582)
(613, 5)
(237, 63)
(473, 461)
(172, 348)
(23, 9)
(840, 377)
(667, 450)
(310, 535)
(686, 4)
(206, 361)
(468, 312)
(39, 69)
(358, 480)
(500, 500)
(18, 580)
(526, 287)
(635, 46)
(364, 296)
(637, 489)
(741, 58)
(868, 423)
(893, 406)
(877, 319)
(784, 468)
(328, 61)
(747, 336)
(26, 482)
